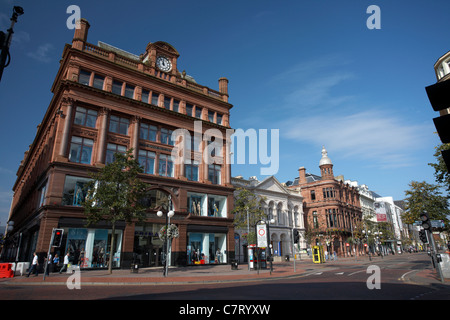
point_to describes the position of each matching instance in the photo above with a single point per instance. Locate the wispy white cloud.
(42, 53)
(330, 112)
(373, 135)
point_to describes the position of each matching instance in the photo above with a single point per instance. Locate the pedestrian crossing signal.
(57, 237)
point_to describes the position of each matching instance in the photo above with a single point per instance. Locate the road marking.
(403, 276)
(339, 273)
(356, 272)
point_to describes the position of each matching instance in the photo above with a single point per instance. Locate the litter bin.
(234, 264)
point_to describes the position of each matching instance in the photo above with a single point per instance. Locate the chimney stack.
(223, 85)
(81, 32)
(301, 175)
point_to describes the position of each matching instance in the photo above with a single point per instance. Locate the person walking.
(34, 266)
(55, 262)
(66, 262)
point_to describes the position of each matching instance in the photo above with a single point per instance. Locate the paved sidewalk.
(207, 274)
(176, 275)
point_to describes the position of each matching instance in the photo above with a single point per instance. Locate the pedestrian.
(55, 262)
(334, 256)
(218, 255)
(49, 264)
(66, 262)
(34, 266)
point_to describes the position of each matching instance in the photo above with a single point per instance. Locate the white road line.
(339, 273)
(356, 272)
(403, 276)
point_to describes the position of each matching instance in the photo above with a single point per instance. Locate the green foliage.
(440, 169)
(247, 204)
(115, 192)
(423, 196)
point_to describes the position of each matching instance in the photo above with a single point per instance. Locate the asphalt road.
(397, 281)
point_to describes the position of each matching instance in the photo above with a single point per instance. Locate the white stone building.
(284, 206)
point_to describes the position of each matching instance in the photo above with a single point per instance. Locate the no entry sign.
(261, 235)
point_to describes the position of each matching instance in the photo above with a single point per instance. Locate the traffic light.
(439, 96)
(426, 222)
(57, 237)
(296, 236)
(423, 236)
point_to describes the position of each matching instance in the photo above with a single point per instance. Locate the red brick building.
(106, 100)
(332, 208)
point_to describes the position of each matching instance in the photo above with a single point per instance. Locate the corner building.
(332, 208)
(106, 100)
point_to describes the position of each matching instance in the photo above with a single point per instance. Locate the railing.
(135, 65)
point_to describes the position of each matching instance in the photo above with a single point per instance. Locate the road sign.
(261, 235)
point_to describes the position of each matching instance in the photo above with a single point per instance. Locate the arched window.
(280, 213)
(290, 216)
(271, 205)
(157, 199)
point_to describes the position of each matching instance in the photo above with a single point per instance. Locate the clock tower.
(162, 56)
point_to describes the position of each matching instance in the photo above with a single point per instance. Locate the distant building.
(332, 208)
(394, 218)
(282, 204)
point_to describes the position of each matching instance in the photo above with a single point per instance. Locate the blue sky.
(311, 69)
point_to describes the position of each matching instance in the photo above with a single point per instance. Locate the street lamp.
(167, 239)
(5, 40)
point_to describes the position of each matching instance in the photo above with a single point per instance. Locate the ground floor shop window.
(206, 248)
(90, 248)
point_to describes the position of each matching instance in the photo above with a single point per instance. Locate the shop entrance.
(154, 256)
(148, 247)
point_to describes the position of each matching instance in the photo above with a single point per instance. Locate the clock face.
(163, 64)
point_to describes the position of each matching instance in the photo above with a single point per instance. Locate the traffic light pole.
(434, 254)
(48, 253)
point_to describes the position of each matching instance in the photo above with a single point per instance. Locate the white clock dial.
(163, 64)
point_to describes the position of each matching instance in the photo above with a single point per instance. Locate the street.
(401, 277)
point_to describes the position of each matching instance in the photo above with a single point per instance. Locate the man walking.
(34, 266)
(66, 262)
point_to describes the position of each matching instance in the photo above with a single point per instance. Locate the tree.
(440, 169)
(425, 197)
(115, 194)
(247, 204)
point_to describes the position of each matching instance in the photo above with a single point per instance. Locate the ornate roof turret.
(325, 159)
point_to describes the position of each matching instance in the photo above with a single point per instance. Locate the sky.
(311, 71)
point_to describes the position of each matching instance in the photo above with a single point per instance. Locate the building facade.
(281, 204)
(331, 207)
(106, 100)
(394, 219)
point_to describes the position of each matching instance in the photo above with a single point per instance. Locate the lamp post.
(169, 215)
(5, 41)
